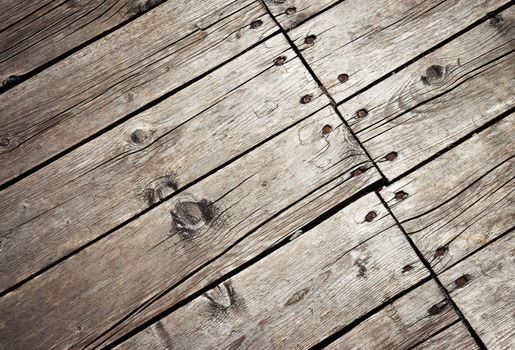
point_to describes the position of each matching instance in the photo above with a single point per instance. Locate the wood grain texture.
(35, 32)
(439, 99)
(158, 257)
(484, 289)
(301, 293)
(455, 337)
(365, 40)
(290, 13)
(151, 156)
(461, 200)
(151, 56)
(402, 324)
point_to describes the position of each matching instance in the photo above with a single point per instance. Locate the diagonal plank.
(122, 72)
(402, 324)
(357, 42)
(455, 337)
(34, 33)
(290, 13)
(483, 288)
(300, 294)
(155, 257)
(461, 200)
(160, 151)
(419, 111)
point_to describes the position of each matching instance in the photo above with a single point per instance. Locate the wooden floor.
(257, 174)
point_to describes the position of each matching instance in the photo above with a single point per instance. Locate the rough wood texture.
(35, 32)
(484, 289)
(359, 41)
(319, 285)
(159, 253)
(120, 73)
(461, 200)
(437, 100)
(158, 152)
(291, 13)
(455, 337)
(402, 324)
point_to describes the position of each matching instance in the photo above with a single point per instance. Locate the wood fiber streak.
(124, 71)
(455, 337)
(301, 293)
(112, 178)
(290, 13)
(438, 99)
(483, 288)
(151, 259)
(366, 40)
(403, 323)
(461, 200)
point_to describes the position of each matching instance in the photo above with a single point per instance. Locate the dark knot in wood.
(189, 217)
(433, 75)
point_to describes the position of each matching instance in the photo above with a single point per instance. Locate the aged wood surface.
(455, 337)
(357, 41)
(319, 285)
(484, 289)
(167, 245)
(120, 73)
(290, 13)
(402, 324)
(424, 108)
(35, 32)
(154, 154)
(461, 200)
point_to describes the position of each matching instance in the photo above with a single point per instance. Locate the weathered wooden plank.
(455, 337)
(291, 13)
(149, 57)
(402, 324)
(300, 294)
(156, 255)
(484, 289)
(35, 32)
(152, 155)
(429, 105)
(461, 200)
(357, 42)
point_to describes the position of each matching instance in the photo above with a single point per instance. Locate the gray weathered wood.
(114, 76)
(35, 32)
(438, 99)
(154, 154)
(461, 200)
(484, 289)
(365, 40)
(152, 263)
(300, 294)
(402, 324)
(455, 337)
(291, 13)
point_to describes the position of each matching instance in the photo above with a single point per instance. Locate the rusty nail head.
(370, 216)
(401, 195)
(343, 78)
(256, 24)
(327, 129)
(391, 156)
(279, 61)
(361, 113)
(306, 99)
(310, 39)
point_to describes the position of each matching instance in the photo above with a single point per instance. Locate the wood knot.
(437, 308)
(140, 136)
(433, 74)
(223, 298)
(256, 24)
(343, 78)
(279, 61)
(401, 195)
(362, 269)
(297, 296)
(497, 21)
(189, 217)
(145, 5)
(310, 39)
(129, 97)
(440, 251)
(4, 141)
(160, 188)
(290, 11)
(306, 99)
(461, 281)
(10, 81)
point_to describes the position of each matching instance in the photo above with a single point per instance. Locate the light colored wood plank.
(120, 73)
(290, 13)
(365, 40)
(455, 337)
(438, 99)
(152, 155)
(462, 199)
(36, 32)
(484, 289)
(403, 323)
(300, 294)
(160, 252)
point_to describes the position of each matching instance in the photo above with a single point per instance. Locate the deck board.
(122, 72)
(455, 337)
(159, 152)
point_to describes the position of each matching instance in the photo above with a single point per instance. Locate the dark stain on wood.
(437, 308)
(297, 296)
(440, 251)
(434, 74)
(407, 268)
(140, 136)
(279, 61)
(160, 188)
(256, 24)
(310, 39)
(362, 269)
(145, 5)
(371, 216)
(189, 217)
(237, 343)
(401, 195)
(359, 171)
(461, 281)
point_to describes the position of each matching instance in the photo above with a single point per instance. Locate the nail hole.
(357, 172)
(440, 251)
(4, 142)
(407, 268)
(310, 39)
(291, 11)
(306, 99)
(362, 113)
(326, 130)
(279, 61)
(460, 282)
(256, 24)
(343, 78)
(401, 195)
(391, 156)
(370, 216)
